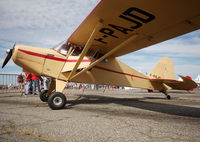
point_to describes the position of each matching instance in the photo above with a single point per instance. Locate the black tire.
(168, 97)
(57, 101)
(43, 96)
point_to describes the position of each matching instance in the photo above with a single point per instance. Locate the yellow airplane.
(112, 29)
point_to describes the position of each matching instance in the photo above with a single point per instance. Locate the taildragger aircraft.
(114, 28)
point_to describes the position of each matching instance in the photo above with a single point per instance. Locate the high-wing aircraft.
(112, 29)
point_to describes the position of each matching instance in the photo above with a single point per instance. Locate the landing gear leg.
(166, 94)
(57, 99)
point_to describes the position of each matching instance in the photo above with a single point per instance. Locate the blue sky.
(45, 23)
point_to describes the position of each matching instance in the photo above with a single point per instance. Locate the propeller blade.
(9, 52)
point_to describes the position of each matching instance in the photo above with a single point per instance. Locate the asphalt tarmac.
(102, 116)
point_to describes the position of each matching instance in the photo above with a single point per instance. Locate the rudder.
(163, 70)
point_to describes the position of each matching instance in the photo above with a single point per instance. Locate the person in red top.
(36, 83)
(28, 86)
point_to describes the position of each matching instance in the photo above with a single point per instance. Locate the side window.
(62, 48)
(77, 50)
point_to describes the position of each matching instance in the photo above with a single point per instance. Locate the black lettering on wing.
(133, 15)
(137, 24)
(108, 31)
(121, 29)
(100, 40)
(139, 14)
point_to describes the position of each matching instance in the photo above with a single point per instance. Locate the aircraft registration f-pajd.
(112, 29)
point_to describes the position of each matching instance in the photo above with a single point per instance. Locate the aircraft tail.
(163, 74)
(164, 69)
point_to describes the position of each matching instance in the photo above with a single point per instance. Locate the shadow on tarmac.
(140, 103)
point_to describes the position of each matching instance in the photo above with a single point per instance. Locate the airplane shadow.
(9, 96)
(140, 103)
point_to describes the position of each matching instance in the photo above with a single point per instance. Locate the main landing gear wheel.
(43, 96)
(57, 101)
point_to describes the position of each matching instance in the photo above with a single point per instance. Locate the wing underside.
(152, 21)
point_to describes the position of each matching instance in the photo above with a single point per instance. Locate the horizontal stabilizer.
(185, 84)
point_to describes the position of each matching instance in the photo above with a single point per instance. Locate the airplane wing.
(152, 21)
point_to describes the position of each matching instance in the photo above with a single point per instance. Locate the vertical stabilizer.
(164, 69)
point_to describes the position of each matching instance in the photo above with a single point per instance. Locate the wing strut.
(87, 46)
(123, 44)
(69, 52)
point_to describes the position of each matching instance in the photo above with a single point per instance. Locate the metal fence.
(8, 83)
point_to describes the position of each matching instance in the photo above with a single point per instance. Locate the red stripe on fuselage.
(98, 67)
(50, 57)
(32, 53)
(127, 74)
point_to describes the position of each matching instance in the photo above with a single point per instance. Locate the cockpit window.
(63, 48)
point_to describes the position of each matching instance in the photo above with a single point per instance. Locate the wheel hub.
(57, 101)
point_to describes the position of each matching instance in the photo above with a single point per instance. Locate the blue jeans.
(28, 87)
(36, 83)
(46, 84)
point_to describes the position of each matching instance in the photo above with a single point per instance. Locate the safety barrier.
(8, 83)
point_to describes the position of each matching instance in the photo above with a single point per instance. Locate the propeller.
(9, 52)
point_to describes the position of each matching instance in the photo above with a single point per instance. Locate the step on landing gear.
(166, 94)
(57, 101)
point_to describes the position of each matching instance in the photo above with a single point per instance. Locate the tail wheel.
(168, 97)
(165, 93)
(57, 101)
(43, 96)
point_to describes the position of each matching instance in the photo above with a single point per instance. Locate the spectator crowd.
(32, 84)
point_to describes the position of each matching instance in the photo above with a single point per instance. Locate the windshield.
(64, 47)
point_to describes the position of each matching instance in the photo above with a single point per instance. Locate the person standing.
(20, 80)
(28, 86)
(46, 82)
(36, 83)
